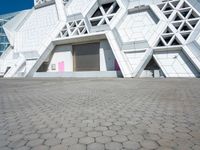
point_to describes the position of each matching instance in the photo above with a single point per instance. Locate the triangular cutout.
(107, 6)
(185, 35)
(168, 14)
(185, 5)
(153, 68)
(75, 32)
(97, 13)
(95, 22)
(116, 8)
(175, 42)
(152, 65)
(193, 15)
(78, 22)
(185, 27)
(168, 30)
(160, 6)
(160, 43)
(177, 25)
(174, 3)
(185, 12)
(177, 17)
(193, 23)
(81, 29)
(168, 7)
(167, 38)
(72, 30)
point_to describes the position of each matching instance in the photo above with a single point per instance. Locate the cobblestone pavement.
(98, 114)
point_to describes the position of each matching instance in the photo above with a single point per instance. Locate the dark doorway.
(86, 57)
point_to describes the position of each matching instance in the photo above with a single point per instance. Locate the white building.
(103, 38)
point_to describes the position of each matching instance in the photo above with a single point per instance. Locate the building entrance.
(86, 57)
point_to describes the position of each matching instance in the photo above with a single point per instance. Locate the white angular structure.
(104, 38)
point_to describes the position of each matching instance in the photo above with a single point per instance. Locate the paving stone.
(35, 142)
(135, 138)
(78, 134)
(119, 138)
(182, 129)
(44, 130)
(195, 134)
(100, 128)
(167, 143)
(151, 136)
(16, 137)
(155, 113)
(196, 147)
(107, 124)
(113, 146)
(70, 141)
(95, 146)
(23, 148)
(31, 136)
(103, 139)
(149, 144)
(52, 142)
(87, 129)
(3, 143)
(182, 135)
(129, 145)
(124, 132)
(109, 133)
(63, 135)
(17, 144)
(5, 148)
(94, 134)
(77, 147)
(48, 135)
(86, 140)
(115, 127)
(165, 148)
(40, 147)
(59, 147)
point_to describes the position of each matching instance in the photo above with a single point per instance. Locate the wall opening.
(152, 70)
(86, 57)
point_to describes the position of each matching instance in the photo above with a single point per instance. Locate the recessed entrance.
(86, 57)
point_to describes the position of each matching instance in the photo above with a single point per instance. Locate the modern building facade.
(102, 38)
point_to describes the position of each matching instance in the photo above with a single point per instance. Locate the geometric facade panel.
(104, 13)
(72, 28)
(135, 38)
(183, 19)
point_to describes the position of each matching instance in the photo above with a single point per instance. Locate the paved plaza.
(98, 114)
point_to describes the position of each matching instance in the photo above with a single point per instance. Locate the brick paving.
(99, 114)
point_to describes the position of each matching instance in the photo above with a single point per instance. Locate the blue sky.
(7, 6)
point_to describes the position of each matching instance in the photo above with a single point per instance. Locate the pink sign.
(61, 66)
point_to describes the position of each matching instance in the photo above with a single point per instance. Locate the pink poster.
(61, 66)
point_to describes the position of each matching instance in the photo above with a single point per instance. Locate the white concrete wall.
(175, 64)
(64, 53)
(135, 58)
(61, 53)
(107, 59)
(36, 29)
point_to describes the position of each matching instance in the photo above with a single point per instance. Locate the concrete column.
(61, 10)
(69, 66)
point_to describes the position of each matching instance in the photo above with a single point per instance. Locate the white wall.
(107, 59)
(175, 64)
(36, 29)
(64, 53)
(61, 53)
